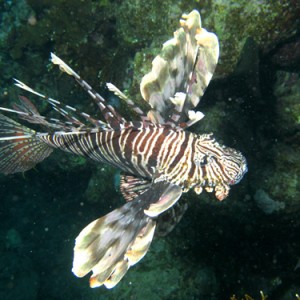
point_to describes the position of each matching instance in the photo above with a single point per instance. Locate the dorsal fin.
(67, 111)
(143, 116)
(113, 118)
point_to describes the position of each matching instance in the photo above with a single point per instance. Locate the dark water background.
(246, 244)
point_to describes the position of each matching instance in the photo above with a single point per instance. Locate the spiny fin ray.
(129, 102)
(67, 111)
(109, 113)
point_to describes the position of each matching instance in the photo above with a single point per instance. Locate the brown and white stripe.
(157, 152)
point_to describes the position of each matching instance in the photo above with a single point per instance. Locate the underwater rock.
(283, 180)
(141, 22)
(268, 23)
(287, 56)
(287, 92)
(145, 283)
(207, 283)
(266, 203)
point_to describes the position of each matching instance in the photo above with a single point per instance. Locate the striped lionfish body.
(159, 158)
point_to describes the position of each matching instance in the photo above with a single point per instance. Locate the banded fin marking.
(20, 149)
(28, 112)
(110, 245)
(129, 102)
(178, 100)
(27, 106)
(194, 117)
(132, 186)
(134, 254)
(29, 115)
(63, 109)
(109, 113)
(184, 67)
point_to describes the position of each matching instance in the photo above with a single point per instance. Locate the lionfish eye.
(203, 161)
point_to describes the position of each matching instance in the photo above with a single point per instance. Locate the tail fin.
(109, 246)
(20, 150)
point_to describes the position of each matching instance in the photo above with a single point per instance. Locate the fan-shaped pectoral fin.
(110, 245)
(181, 73)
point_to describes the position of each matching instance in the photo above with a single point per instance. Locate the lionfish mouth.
(243, 171)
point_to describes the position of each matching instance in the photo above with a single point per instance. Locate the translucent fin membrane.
(110, 245)
(20, 149)
(181, 73)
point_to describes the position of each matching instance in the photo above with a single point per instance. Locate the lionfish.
(159, 158)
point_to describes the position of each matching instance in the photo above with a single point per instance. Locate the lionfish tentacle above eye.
(109, 113)
(181, 73)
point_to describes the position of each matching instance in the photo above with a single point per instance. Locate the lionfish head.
(220, 166)
(234, 165)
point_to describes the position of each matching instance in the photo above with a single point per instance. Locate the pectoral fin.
(170, 196)
(110, 245)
